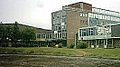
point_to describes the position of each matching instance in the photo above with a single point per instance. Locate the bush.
(72, 46)
(60, 46)
(82, 45)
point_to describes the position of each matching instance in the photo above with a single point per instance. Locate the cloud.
(39, 4)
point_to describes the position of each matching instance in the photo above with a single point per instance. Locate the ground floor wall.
(103, 43)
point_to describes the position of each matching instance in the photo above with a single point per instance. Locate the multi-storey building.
(67, 21)
(101, 30)
(72, 17)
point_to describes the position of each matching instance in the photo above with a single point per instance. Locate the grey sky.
(38, 12)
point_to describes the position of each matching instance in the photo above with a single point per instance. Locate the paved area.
(15, 60)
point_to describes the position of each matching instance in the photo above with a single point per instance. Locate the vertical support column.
(92, 44)
(88, 21)
(105, 46)
(112, 43)
(104, 43)
(45, 36)
(36, 36)
(97, 46)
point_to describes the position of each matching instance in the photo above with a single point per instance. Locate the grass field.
(97, 53)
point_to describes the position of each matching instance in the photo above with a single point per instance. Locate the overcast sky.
(38, 12)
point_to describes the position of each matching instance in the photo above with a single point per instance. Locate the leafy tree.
(5, 34)
(16, 34)
(1, 33)
(28, 35)
(12, 33)
(9, 33)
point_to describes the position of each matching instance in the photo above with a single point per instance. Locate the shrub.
(60, 46)
(82, 45)
(72, 46)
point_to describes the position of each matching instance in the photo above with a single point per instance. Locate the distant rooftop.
(10, 23)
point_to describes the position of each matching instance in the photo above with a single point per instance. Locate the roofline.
(56, 11)
(78, 3)
(24, 25)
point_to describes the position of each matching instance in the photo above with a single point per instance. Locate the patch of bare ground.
(15, 60)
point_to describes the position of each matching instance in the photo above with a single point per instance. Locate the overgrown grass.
(104, 53)
(39, 51)
(98, 53)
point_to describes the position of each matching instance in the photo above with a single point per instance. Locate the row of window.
(47, 36)
(58, 27)
(55, 28)
(60, 35)
(59, 17)
(105, 30)
(91, 32)
(103, 11)
(102, 16)
(59, 20)
(94, 22)
(87, 32)
(56, 13)
(83, 21)
(83, 14)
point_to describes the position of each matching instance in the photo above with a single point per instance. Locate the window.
(83, 32)
(109, 41)
(37, 35)
(59, 28)
(80, 14)
(86, 21)
(83, 21)
(91, 31)
(91, 15)
(80, 21)
(85, 15)
(80, 32)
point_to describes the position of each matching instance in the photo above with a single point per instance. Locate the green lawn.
(98, 53)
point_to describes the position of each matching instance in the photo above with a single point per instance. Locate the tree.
(28, 35)
(5, 34)
(1, 33)
(16, 34)
(12, 33)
